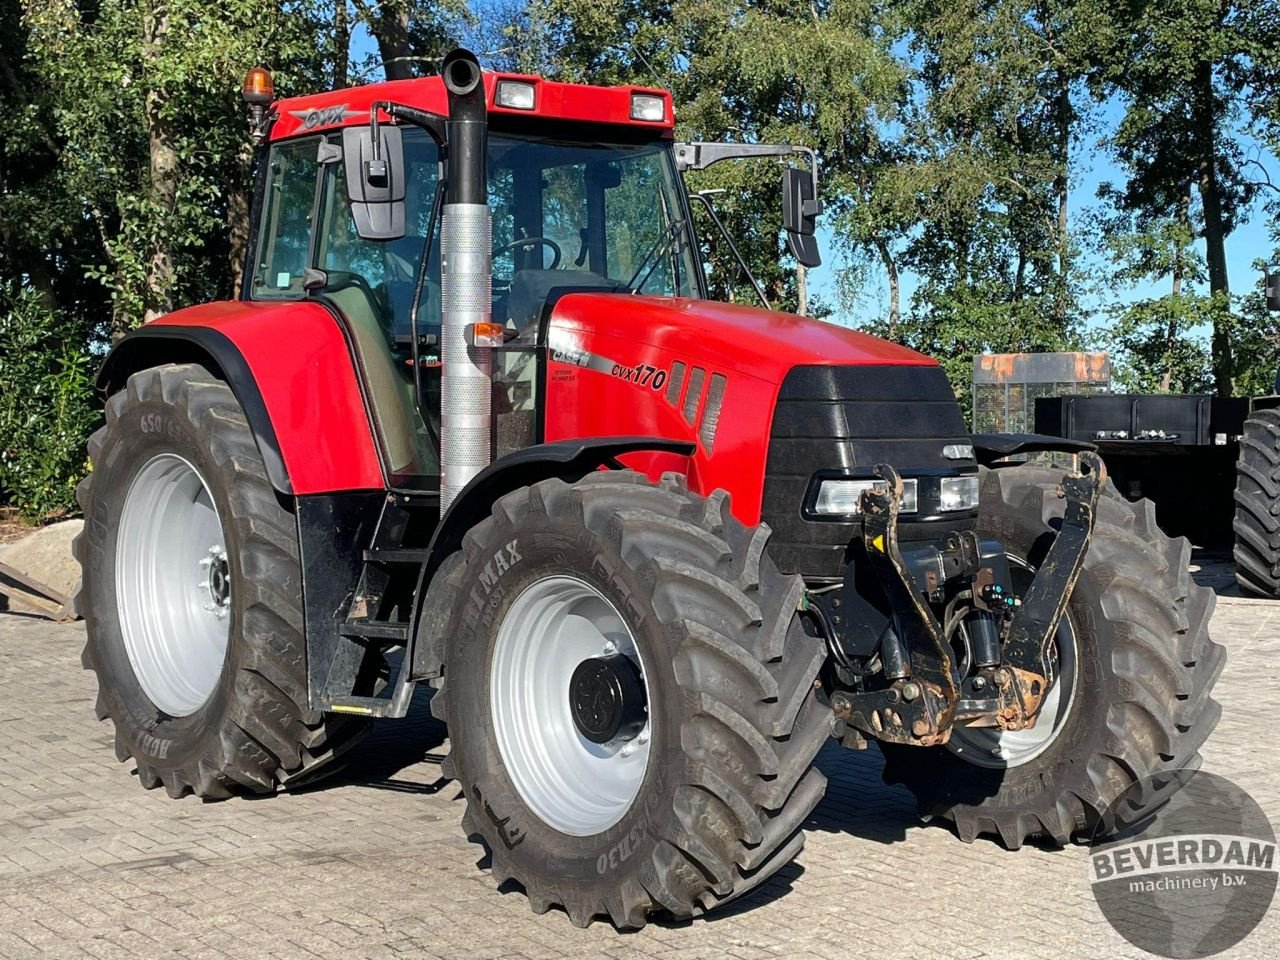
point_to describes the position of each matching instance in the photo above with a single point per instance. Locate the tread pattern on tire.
(269, 735)
(1257, 497)
(1160, 653)
(742, 658)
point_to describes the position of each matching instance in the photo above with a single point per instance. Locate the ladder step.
(396, 556)
(375, 630)
(361, 706)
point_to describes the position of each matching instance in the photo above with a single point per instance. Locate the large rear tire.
(707, 797)
(1138, 666)
(1257, 520)
(192, 596)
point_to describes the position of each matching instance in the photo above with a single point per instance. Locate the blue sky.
(1252, 240)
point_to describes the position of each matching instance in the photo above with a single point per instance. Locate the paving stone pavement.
(373, 863)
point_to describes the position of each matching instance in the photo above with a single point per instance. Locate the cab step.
(381, 631)
(396, 556)
(394, 707)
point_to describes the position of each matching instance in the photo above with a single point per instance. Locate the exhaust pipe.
(466, 240)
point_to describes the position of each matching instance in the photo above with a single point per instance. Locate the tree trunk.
(895, 285)
(163, 165)
(391, 30)
(802, 290)
(238, 216)
(1179, 271)
(341, 43)
(1206, 120)
(1064, 117)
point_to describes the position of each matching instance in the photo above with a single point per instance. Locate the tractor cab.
(585, 192)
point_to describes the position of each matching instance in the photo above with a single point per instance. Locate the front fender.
(569, 460)
(292, 372)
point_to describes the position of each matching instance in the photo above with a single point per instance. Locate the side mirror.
(1271, 289)
(375, 180)
(800, 209)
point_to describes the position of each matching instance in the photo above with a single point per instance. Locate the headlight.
(842, 498)
(514, 95)
(958, 493)
(645, 106)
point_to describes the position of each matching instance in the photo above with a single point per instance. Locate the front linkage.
(1005, 682)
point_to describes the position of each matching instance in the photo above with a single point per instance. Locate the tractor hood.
(747, 340)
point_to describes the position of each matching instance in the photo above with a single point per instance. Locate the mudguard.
(990, 447)
(290, 368)
(570, 460)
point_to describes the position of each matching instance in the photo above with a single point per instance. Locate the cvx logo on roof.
(325, 116)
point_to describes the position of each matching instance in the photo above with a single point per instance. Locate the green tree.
(1186, 73)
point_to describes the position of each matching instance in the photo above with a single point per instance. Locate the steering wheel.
(531, 242)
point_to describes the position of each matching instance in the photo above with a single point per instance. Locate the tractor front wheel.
(192, 596)
(631, 699)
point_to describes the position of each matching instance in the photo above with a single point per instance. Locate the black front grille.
(845, 420)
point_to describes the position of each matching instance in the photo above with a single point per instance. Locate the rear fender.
(290, 368)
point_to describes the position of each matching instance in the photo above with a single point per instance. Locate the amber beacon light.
(258, 90)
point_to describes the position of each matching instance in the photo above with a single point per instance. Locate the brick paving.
(373, 862)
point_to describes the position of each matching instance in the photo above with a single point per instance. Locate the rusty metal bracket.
(917, 709)
(14, 583)
(1027, 670)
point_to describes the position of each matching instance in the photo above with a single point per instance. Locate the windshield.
(567, 215)
(590, 214)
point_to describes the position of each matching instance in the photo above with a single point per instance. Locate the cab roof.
(552, 101)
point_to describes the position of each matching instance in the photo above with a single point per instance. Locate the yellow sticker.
(877, 542)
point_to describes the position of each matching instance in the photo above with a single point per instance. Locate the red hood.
(757, 342)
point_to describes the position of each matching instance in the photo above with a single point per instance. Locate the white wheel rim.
(574, 785)
(173, 589)
(1002, 749)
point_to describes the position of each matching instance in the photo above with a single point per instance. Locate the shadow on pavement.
(1213, 567)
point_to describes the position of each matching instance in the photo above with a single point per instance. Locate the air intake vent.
(691, 399)
(711, 413)
(676, 382)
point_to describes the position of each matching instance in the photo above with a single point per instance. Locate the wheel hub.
(217, 581)
(606, 697)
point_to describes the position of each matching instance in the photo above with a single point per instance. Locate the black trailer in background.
(1178, 450)
(1211, 466)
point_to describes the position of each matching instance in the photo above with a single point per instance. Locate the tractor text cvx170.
(474, 406)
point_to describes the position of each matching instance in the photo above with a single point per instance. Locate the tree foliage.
(953, 140)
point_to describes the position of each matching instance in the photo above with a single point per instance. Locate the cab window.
(284, 240)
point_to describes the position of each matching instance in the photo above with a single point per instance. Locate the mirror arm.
(734, 247)
(433, 123)
(698, 155)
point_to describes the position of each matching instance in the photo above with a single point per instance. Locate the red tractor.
(652, 551)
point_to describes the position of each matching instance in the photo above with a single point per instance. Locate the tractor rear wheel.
(191, 596)
(1132, 699)
(631, 699)
(1257, 521)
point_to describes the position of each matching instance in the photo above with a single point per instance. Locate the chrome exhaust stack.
(466, 241)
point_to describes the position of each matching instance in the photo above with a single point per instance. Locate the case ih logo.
(325, 116)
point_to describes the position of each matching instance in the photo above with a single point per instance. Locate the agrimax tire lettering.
(503, 560)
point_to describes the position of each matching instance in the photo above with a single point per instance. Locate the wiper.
(656, 253)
